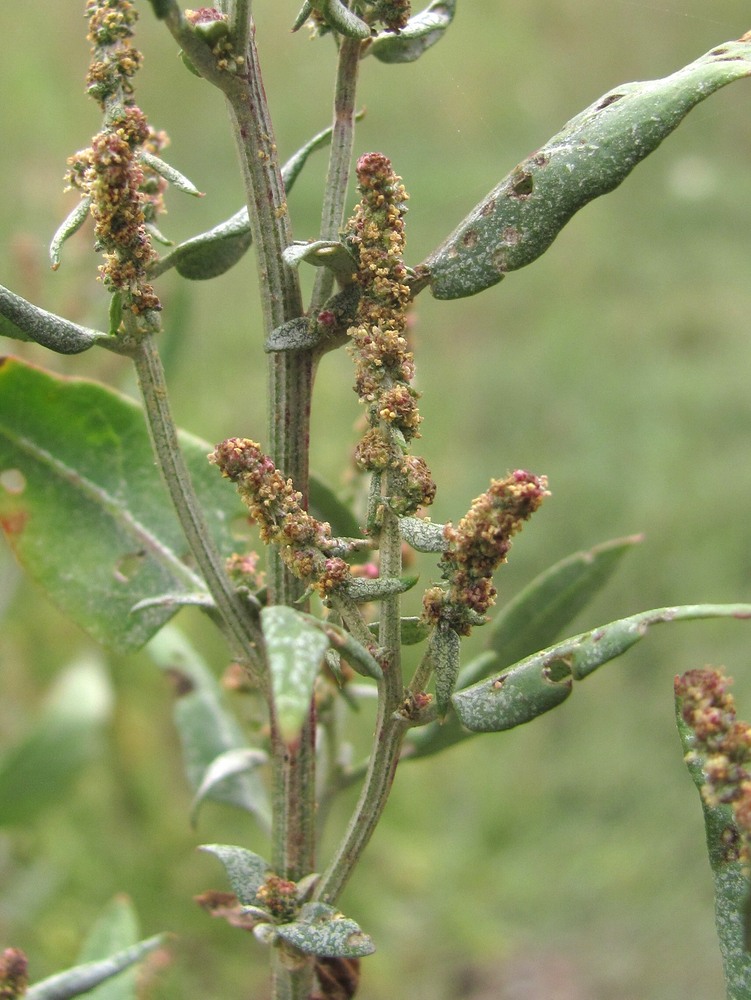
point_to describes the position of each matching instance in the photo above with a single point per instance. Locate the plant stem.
(340, 157)
(390, 725)
(243, 631)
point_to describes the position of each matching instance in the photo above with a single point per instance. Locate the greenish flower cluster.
(722, 742)
(478, 546)
(275, 506)
(384, 366)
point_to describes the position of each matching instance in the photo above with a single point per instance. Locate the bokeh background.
(563, 860)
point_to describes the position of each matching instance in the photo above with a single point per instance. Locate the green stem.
(243, 631)
(340, 158)
(390, 725)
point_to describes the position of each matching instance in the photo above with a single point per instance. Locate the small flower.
(13, 974)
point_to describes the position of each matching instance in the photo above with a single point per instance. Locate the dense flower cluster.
(125, 195)
(13, 974)
(723, 743)
(275, 506)
(477, 547)
(384, 366)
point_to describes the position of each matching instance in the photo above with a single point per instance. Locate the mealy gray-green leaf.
(21, 320)
(245, 870)
(67, 228)
(322, 931)
(589, 157)
(83, 978)
(423, 30)
(208, 731)
(115, 929)
(541, 681)
(294, 648)
(332, 254)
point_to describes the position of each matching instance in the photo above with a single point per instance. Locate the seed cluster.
(125, 195)
(275, 506)
(724, 743)
(384, 366)
(478, 546)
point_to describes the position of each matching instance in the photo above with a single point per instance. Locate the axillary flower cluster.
(722, 743)
(384, 366)
(123, 193)
(477, 546)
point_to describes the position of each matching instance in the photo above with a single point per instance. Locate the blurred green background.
(563, 860)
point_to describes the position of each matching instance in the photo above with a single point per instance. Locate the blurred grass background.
(567, 855)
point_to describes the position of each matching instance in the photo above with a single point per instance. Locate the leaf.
(323, 931)
(421, 33)
(83, 978)
(207, 729)
(36, 773)
(541, 681)
(345, 644)
(212, 253)
(297, 334)
(423, 535)
(340, 19)
(68, 228)
(332, 254)
(361, 591)
(116, 929)
(246, 871)
(223, 767)
(413, 630)
(84, 509)
(169, 173)
(20, 320)
(295, 651)
(539, 613)
(444, 652)
(591, 156)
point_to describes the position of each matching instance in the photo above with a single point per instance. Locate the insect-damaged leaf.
(592, 154)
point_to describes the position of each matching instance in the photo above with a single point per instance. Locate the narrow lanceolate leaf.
(115, 930)
(169, 173)
(84, 509)
(212, 253)
(423, 535)
(322, 931)
(340, 19)
(542, 681)
(295, 651)
(83, 978)
(68, 228)
(421, 33)
(592, 154)
(731, 885)
(36, 773)
(209, 733)
(540, 612)
(21, 320)
(245, 870)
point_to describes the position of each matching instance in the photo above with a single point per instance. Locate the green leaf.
(332, 254)
(168, 172)
(295, 650)
(413, 630)
(540, 682)
(323, 931)
(540, 612)
(421, 33)
(361, 591)
(340, 19)
(208, 731)
(227, 765)
(116, 929)
(36, 773)
(21, 320)
(593, 153)
(445, 653)
(83, 978)
(297, 334)
(68, 228)
(423, 535)
(345, 644)
(84, 509)
(246, 871)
